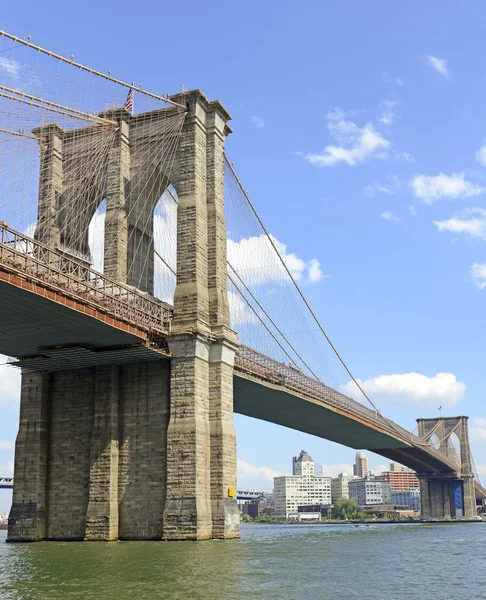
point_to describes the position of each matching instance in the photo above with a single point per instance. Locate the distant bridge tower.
(144, 450)
(448, 496)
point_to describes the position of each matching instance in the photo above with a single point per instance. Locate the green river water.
(297, 562)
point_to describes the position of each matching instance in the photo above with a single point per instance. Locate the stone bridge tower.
(144, 450)
(445, 497)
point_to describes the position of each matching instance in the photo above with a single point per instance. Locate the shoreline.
(369, 523)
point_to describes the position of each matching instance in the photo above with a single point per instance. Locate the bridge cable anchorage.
(82, 67)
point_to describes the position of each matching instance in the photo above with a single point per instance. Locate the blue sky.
(360, 134)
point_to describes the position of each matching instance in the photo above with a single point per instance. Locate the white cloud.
(9, 384)
(389, 216)
(7, 445)
(406, 156)
(411, 389)
(355, 144)
(240, 312)
(481, 155)
(259, 475)
(397, 80)
(335, 470)
(477, 272)
(389, 114)
(314, 271)
(258, 122)
(430, 188)
(478, 434)
(370, 190)
(481, 469)
(255, 260)
(9, 66)
(471, 221)
(412, 210)
(479, 422)
(439, 65)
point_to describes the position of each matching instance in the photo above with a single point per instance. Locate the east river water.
(298, 562)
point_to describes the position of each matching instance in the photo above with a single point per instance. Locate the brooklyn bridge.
(145, 302)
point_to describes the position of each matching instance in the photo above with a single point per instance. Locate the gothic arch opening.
(96, 237)
(434, 441)
(165, 245)
(453, 446)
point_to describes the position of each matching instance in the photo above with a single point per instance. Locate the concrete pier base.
(445, 498)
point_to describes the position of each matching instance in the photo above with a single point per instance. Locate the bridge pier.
(102, 512)
(28, 515)
(443, 497)
(201, 447)
(146, 450)
(446, 498)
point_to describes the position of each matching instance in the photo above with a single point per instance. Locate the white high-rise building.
(302, 488)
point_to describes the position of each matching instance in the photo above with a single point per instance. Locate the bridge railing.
(38, 263)
(259, 365)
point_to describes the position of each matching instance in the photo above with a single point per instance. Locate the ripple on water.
(270, 562)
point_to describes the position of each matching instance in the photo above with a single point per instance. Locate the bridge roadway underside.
(35, 323)
(50, 334)
(272, 403)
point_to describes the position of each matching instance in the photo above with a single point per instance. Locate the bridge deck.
(58, 314)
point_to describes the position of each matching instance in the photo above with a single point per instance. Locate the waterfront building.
(301, 488)
(409, 498)
(323, 509)
(400, 478)
(360, 468)
(369, 490)
(340, 486)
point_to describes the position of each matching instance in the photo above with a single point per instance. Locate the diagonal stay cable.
(304, 299)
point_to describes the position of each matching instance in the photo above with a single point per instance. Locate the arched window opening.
(165, 246)
(454, 447)
(434, 441)
(96, 237)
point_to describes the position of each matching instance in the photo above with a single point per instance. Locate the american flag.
(129, 102)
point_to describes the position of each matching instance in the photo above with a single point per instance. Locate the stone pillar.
(187, 513)
(469, 493)
(102, 512)
(27, 521)
(470, 509)
(116, 228)
(447, 499)
(425, 509)
(50, 184)
(225, 514)
(436, 498)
